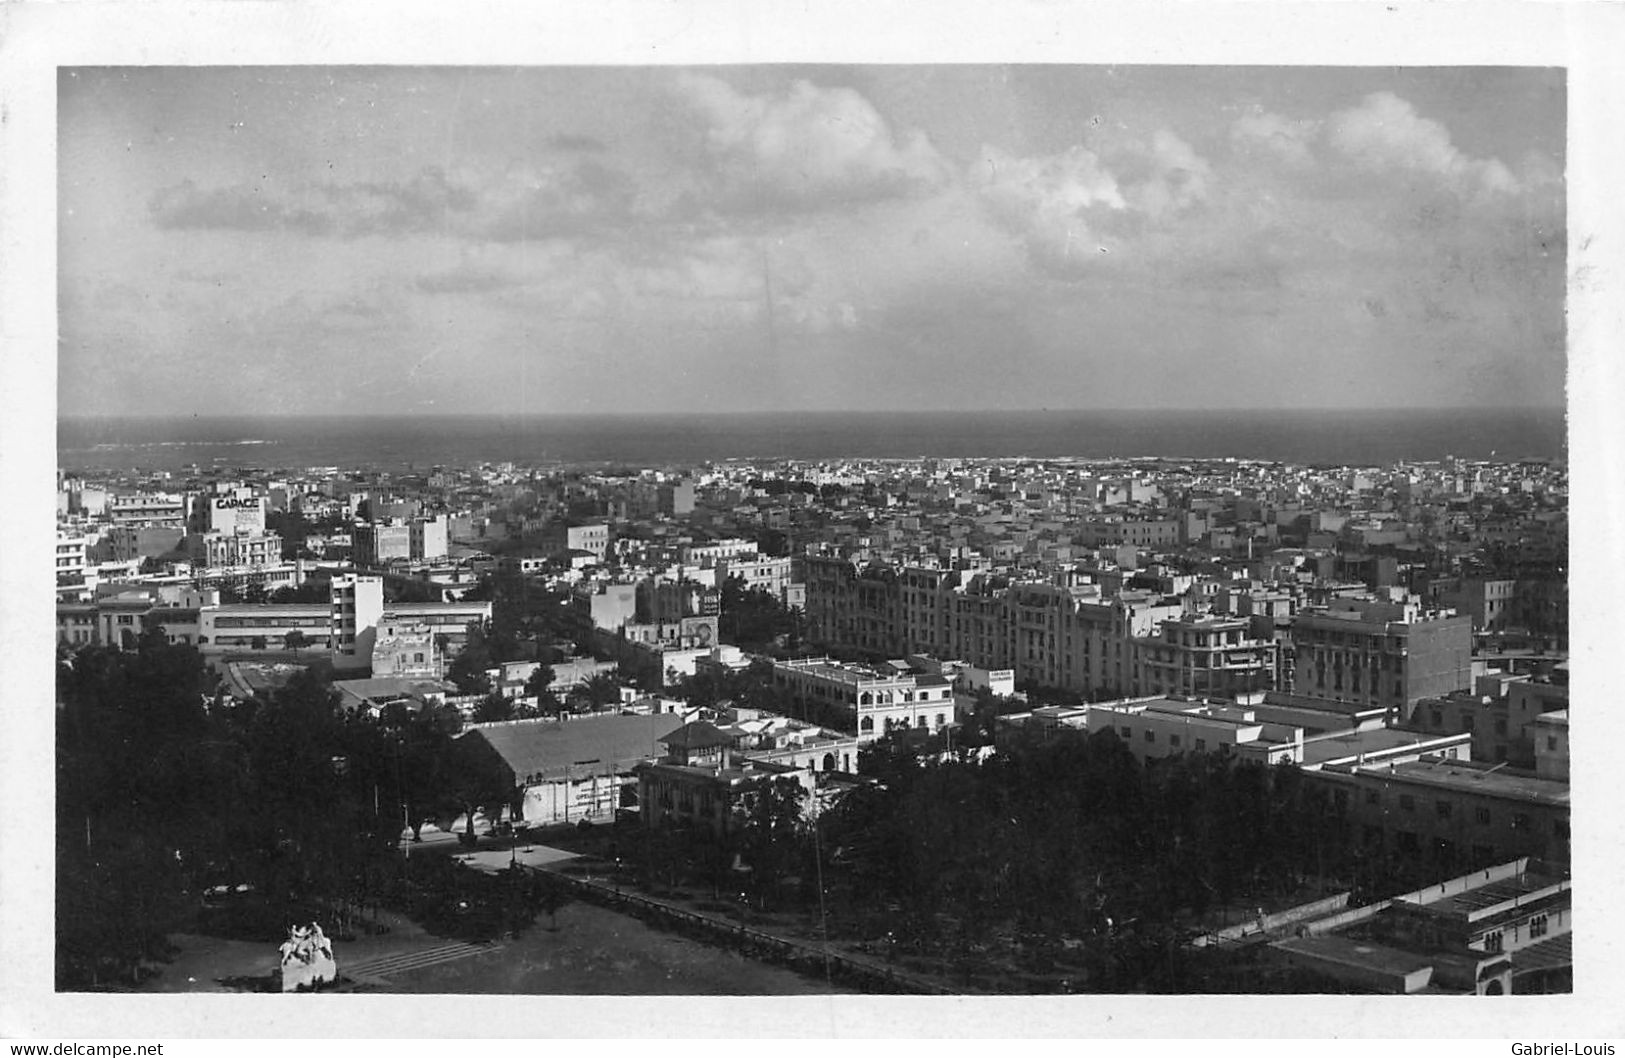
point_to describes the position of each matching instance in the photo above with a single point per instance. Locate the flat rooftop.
(1491, 894)
(1360, 954)
(1462, 776)
(1353, 743)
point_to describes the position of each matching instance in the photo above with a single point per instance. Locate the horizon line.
(645, 414)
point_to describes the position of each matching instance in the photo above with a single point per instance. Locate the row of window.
(1175, 741)
(1443, 809)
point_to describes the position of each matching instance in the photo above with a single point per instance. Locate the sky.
(317, 240)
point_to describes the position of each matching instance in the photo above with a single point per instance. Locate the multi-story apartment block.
(772, 575)
(1501, 724)
(1136, 532)
(428, 538)
(1387, 654)
(376, 545)
(70, 560)
(149, 508)
(1205, 656)
(232, 549)
(707, 555)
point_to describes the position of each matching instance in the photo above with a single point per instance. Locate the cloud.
(517, 204)
(464, 281)
(570, 141)
(1169, 177)
(1075, 209)
(1053, 203)
(807, 147)
(1385, 134)
(1280, 139)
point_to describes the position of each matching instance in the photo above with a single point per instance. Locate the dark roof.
(548, 749)
(696, 735)
(1544, 955)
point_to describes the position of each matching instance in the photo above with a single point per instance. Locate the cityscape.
(908, 726)
(974, 531)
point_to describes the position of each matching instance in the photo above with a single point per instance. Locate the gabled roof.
(696, 735)
(548, 749)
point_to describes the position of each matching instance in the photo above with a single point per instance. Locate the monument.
(307, 959)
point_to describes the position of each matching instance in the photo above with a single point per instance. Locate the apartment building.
(1204, 656)
(1387, 654)
(772, 575)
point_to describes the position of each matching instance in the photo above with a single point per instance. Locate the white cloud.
(809, 146)
(1176, 180)
(1282, 139)
(1051, 202)
(1075, 209)
(1384, 133)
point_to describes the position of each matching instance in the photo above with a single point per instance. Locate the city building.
(1451, 813)
(1202, 656)
(867, 701)
(701, 783)
(1505, 929)
(1387, 654)
(563, 771)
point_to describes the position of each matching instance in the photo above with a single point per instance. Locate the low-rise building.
(1451, 813)
(701, 783)
(867, 701)
(1501, 930)
(563, 771)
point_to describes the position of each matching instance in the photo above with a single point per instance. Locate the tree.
(538, 686)
(601, 689)
(296, 640)
(420, 748)
(494, 707)
(313, 590)
(768, 831)
(468, 669)
(142, 774)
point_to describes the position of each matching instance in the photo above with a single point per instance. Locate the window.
(1500, 725)
(1406, 840)
(1561, 829)
(1537, 927)
(1442, 808)
(1520, 821)
(1201, 745)
(1407, 802)
(1438, 718)
(1340, 798)
(1173, 740)
(1126, 731)
(1372, 797)
(1551, 742)
(1150, 735)
(1481, 816)
(1492, 941)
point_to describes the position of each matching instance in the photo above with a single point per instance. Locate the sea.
(1341, 437)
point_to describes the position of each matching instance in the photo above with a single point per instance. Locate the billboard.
(700, 631)
(236, 514)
